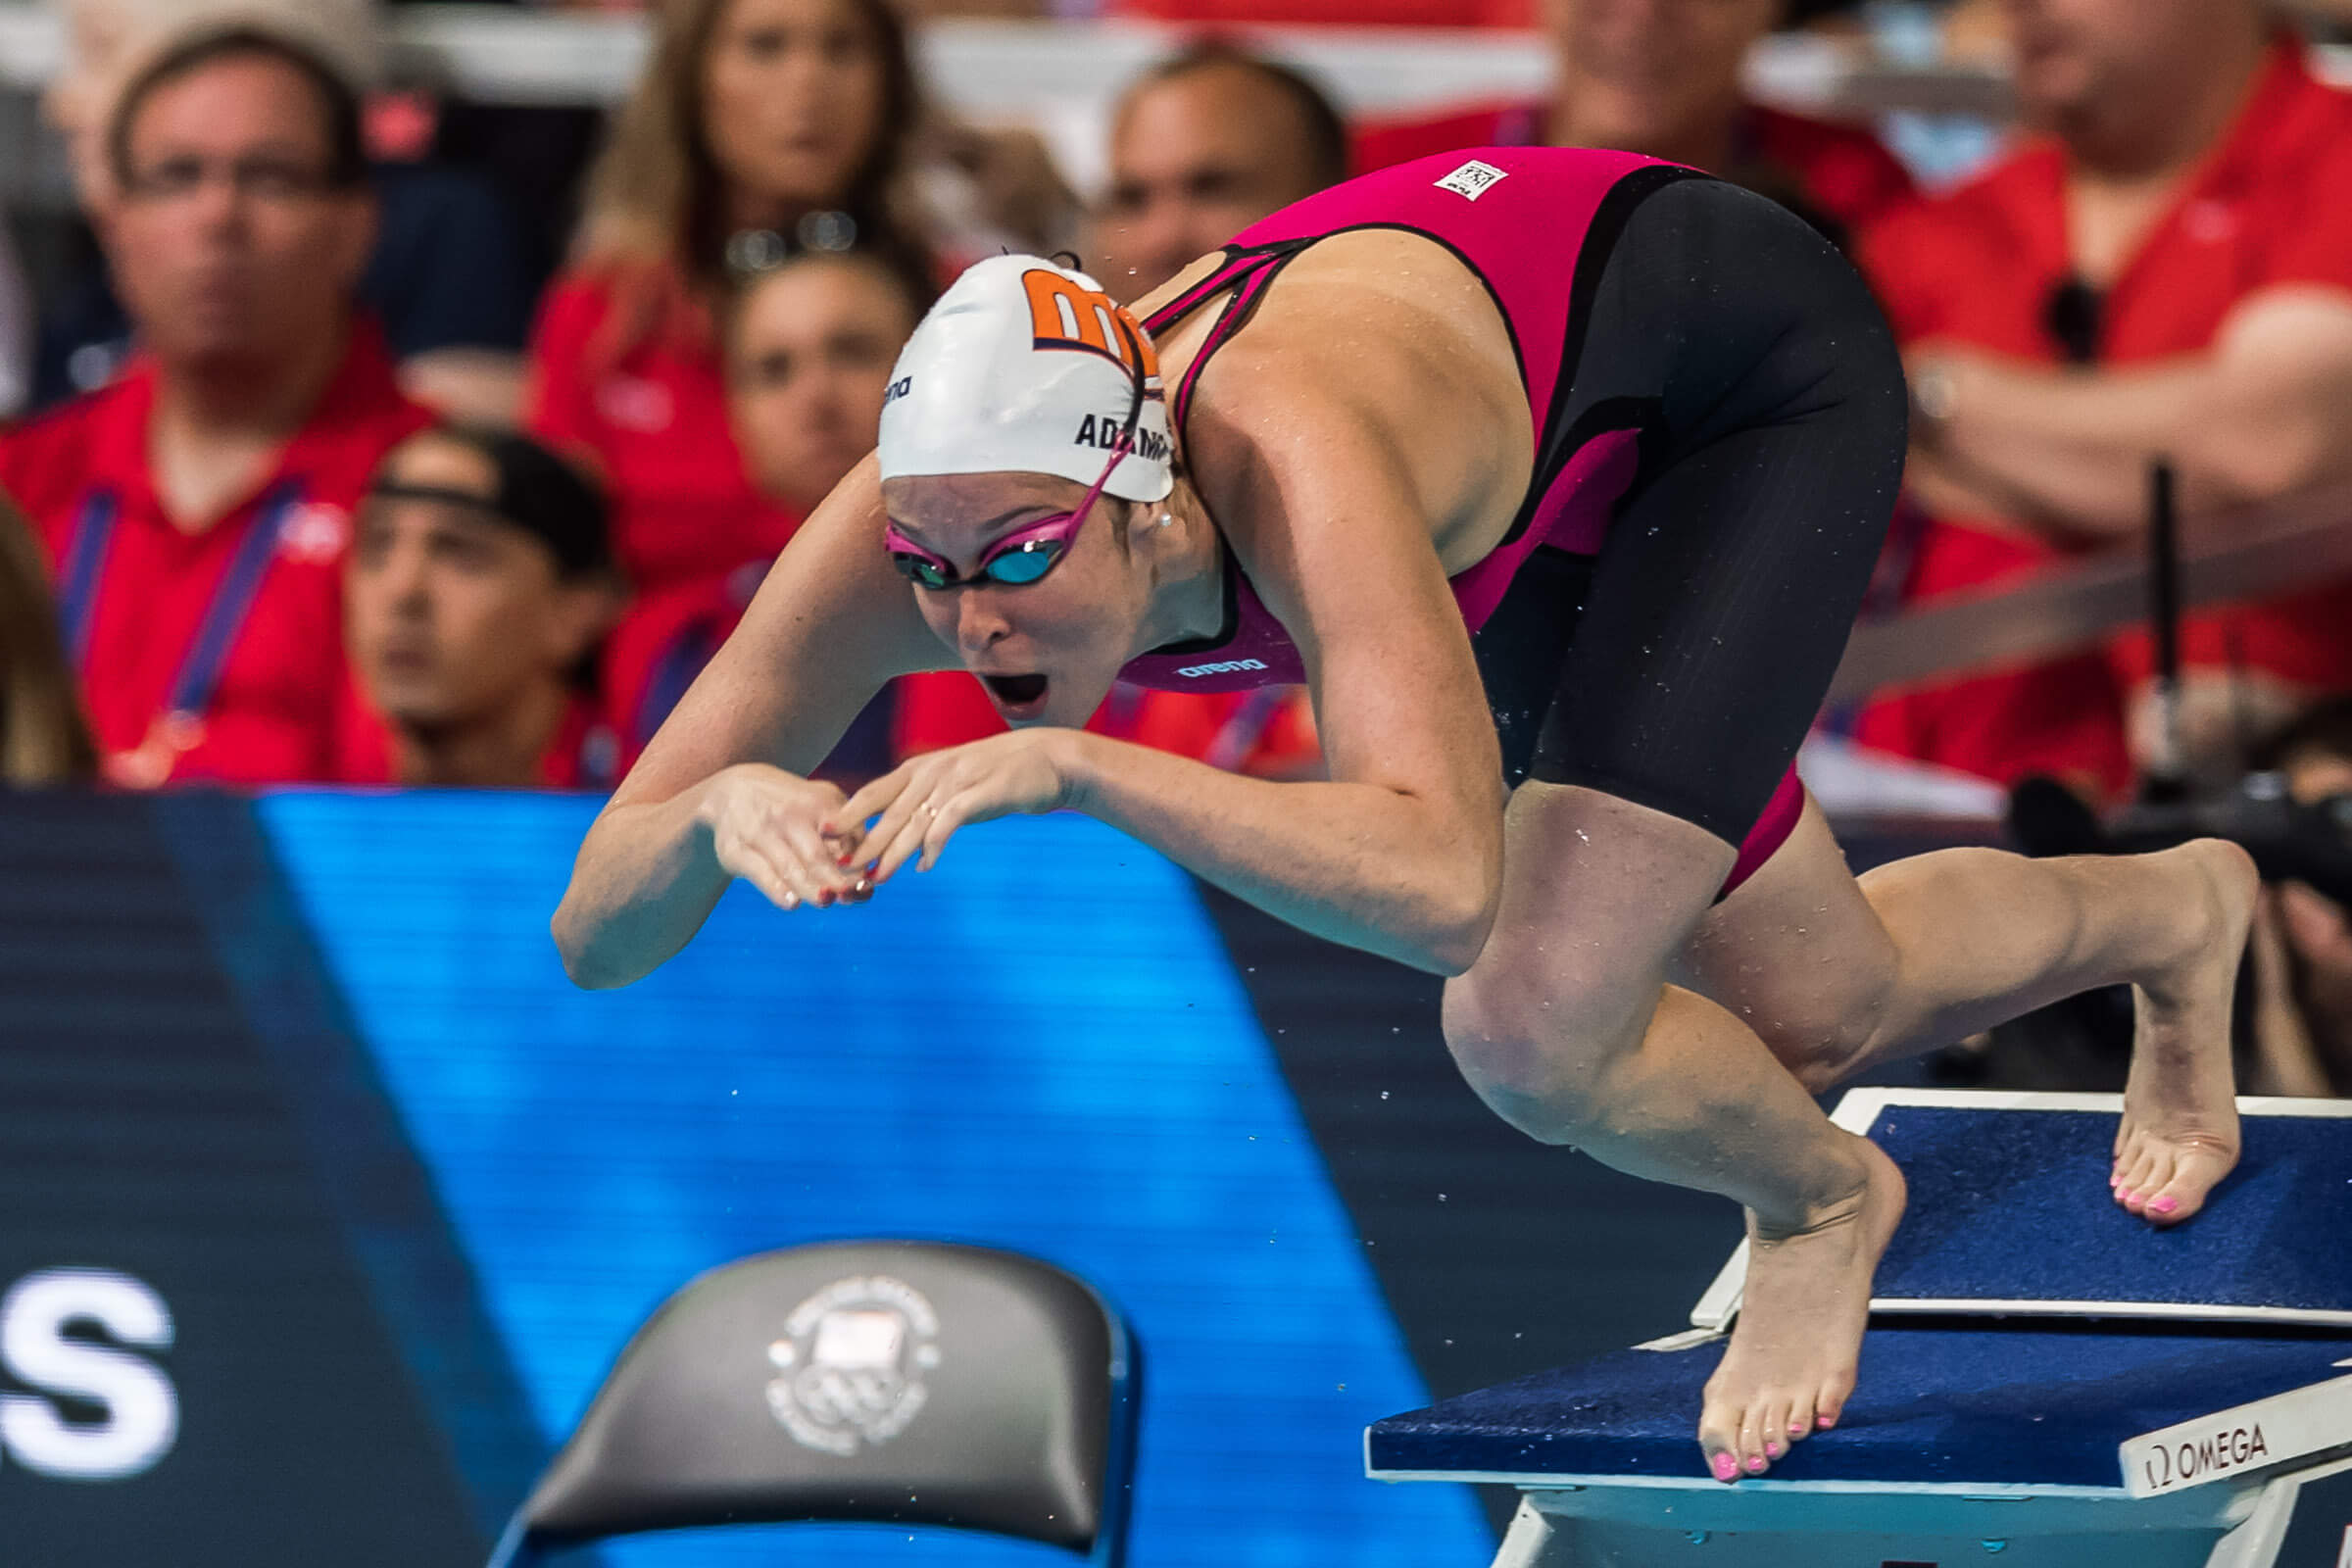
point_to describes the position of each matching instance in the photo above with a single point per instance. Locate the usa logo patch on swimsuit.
(1473, 179)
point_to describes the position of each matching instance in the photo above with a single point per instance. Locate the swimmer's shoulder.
(1390, 341)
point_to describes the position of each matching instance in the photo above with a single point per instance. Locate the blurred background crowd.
(364, 429)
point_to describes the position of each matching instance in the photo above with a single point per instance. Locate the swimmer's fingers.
(888, 801)
(906, 825)
(779, 879)
(967, 805)
(817, 857)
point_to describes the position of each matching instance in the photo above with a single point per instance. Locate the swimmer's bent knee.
(1537, 1055)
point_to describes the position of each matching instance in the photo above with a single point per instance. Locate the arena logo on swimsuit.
(1230, 666)
(1066, 315)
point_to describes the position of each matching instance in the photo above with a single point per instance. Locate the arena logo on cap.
(851, 1362)
(1067, 315)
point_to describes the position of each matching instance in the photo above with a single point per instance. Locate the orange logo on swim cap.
(1067, 314)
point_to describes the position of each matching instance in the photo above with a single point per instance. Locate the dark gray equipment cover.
(898, 1382)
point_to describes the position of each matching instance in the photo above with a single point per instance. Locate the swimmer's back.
(1444, 301)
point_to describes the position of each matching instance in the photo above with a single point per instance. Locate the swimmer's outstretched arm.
(717, 794)
(1401, 852)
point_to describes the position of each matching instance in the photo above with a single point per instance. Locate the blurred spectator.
(1202, 146)
(760, 126)
(43, 740)
(2302, 950)
(2166, 271)
(479, 585)
(1662, 77)
(809, 345)
(446, 279)
(1346, 13)
(196, 511)
(16, 331)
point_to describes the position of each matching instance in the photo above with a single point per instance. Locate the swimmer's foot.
(1790, 1363)
(2179, 1129)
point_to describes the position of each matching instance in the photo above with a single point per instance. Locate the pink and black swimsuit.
(1718, 415)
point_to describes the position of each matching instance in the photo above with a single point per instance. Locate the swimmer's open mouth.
(1017, 691)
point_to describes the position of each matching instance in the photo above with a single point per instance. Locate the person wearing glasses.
(195, 511)
(1556, 476)
(2164, 269)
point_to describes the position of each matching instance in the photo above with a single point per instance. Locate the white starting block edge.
(1860, 1507)
(1858, 1112)
(2253, 1521)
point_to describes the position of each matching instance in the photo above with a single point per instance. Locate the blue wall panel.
(1041, 1045)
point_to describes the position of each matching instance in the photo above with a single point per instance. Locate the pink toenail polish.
(1825, 1422)
(1755, 1467)
(2165, 1206)
(1797, 1429)
(2131, 1197)
(1774, 1449)
(1726, 1467)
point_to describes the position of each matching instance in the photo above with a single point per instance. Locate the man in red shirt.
(2166, 271)
(196, 512)
(1662, 77)
(480, 581)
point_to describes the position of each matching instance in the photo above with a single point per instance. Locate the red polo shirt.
(268, 717)
(1843, 170)
(583, 755)
(652, 418)
(1978, 266)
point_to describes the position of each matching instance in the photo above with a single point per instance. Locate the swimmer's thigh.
(1721, 599)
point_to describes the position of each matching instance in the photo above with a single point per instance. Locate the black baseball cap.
(544, 494)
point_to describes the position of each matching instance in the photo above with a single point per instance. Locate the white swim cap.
(1025, 367)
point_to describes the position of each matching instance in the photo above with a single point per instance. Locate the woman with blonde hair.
(43, 740)
(761, 128)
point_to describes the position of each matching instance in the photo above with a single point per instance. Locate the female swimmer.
(1556, 476)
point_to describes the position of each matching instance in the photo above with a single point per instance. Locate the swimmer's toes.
(2194, 1173)
(1828, 1405)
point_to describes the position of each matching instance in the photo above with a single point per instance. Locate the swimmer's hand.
(768, 827)
(924, 801)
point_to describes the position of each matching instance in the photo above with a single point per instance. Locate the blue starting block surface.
(1975, 1406)
(2165, 1399)
(2009, 1214)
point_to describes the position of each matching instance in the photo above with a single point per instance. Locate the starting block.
(2047, 1382)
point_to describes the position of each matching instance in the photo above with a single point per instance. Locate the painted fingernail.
(1726, 1467)
(1755, 1466)
(865, 884)
(2164, 1204)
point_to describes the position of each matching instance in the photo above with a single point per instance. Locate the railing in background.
(2225, 558)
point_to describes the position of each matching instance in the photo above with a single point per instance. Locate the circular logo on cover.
(850, 1368)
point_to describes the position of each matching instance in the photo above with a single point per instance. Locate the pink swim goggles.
(1025, 554)
(1019, 558)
